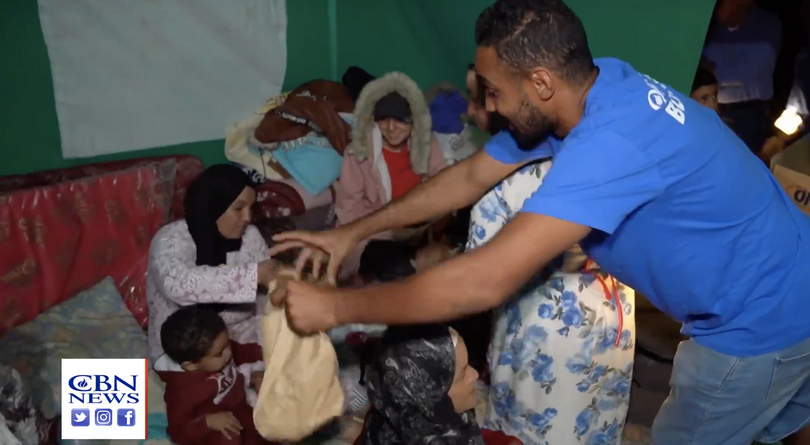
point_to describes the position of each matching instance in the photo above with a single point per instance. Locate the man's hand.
(453, 188)
(224, 422)
(772, 147)
(332, 246)
(310, 309)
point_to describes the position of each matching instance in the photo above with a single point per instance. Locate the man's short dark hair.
(527, 34)
(188, 334)
(703, 77)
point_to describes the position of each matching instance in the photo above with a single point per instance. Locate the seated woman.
(561, 357)
(213, 256)
(392, 151)
(422, 391)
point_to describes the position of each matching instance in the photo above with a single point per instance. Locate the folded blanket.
(311, 160)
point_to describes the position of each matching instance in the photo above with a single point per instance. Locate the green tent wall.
(431, 40)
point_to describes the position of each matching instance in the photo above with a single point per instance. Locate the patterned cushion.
(93, 324)
(61, 239)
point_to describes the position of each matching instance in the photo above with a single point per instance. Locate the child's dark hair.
(188, 334)
(703, 77)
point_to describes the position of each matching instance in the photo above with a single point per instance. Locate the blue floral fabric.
(560, 369)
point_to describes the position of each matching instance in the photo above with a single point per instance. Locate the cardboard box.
(792, 169)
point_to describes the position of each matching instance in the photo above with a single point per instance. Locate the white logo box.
(104, 399)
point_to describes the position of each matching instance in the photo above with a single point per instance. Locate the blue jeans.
(718, 399)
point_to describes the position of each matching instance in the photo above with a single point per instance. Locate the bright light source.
(789, 121)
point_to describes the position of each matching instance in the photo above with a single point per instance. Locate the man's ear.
(189, 366)
(542, 82)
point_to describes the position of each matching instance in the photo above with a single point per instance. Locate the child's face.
(706, 96)
(462, 391)
(217, 357)
(474, 109)
(394, 132)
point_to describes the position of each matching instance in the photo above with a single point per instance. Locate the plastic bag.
(301, 391)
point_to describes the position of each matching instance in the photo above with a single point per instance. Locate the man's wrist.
(360, 230)
(342, 311)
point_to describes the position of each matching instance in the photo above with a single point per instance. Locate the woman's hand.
(332, 247)
(266, 272)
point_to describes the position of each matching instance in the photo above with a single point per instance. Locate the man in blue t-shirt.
(658, 191)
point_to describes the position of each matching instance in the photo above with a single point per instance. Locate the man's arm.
(453, 188)
(470, 283)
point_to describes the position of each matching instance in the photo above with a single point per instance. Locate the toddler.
(208, 397)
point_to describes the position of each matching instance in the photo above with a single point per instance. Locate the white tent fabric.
(130, 75)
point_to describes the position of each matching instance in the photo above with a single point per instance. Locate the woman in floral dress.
(561, 356)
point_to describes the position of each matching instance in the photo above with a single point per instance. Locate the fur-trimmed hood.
(420, 139)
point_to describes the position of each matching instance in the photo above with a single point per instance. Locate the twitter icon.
(80, 417)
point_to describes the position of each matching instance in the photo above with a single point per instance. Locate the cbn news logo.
(104, 399)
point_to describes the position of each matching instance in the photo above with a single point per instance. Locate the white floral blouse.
(174, 280)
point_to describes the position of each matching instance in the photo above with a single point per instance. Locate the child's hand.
(432, 255)
(224, 422)
(256, 380)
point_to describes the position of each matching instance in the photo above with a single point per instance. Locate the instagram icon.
(103, 417)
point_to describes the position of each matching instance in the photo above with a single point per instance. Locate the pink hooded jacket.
(365, 185)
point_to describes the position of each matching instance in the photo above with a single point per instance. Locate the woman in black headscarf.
(422, 391)
(213, 256)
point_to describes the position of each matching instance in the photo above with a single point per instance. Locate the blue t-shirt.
(745, 57)
(683, 212)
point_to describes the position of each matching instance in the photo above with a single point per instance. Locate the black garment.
(459, 231)
(355, 79)
(207, 198)
(407, 387)
(476, 330)
(749, 120)
(387, 260)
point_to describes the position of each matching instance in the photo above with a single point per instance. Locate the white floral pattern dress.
(561, 356)
(174, 280)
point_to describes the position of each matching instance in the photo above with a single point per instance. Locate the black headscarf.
(207, 198)
(408, 384)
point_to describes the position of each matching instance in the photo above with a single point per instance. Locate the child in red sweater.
(207, 395)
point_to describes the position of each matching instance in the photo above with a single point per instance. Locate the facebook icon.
(126, 417)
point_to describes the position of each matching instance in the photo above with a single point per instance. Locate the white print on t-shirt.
(660, 96)
(225, 381)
